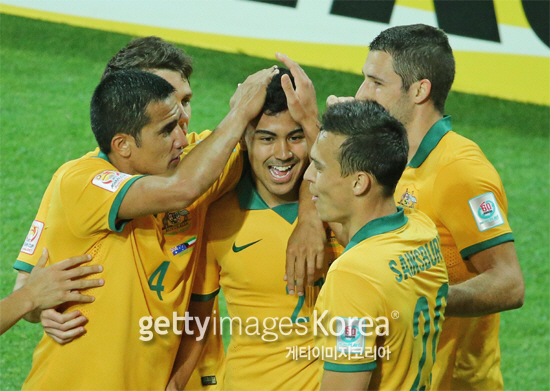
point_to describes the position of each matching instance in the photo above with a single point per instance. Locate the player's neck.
(272, 200)
(370, 210)
(419, 126)
(120, 163)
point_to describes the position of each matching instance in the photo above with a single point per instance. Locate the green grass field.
(47, 76)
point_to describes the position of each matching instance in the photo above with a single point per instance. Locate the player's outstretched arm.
(498, 287)
(345, 381)
(47, 287)
(191, 345)
(203, 165)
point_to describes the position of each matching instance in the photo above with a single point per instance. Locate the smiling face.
(332, 193)
(277, 151)
(161, 141)
(384, 86)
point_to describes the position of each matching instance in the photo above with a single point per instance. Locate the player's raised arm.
(203, 165)
(47, 287)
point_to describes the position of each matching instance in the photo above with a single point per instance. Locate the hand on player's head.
(249, 97)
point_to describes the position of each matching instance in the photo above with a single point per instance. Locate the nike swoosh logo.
(241, 248)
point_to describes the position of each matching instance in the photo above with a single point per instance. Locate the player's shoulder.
(454, 146)
(420, 221)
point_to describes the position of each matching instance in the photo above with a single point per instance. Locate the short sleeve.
(470, 201)
(351, 306)
(34, 242)
(207, 278)
(91, 197)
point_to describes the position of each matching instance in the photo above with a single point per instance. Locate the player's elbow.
(518, 296)
(185, 197)
(514, 293)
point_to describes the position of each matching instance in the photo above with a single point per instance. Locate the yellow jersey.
(450, 179)
(149, 266)
(246, 253)
(382, 306)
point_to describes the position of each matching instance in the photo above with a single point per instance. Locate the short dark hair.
(275, 98)
(119, 104)
(420, 52)
(375, 143)
(151, 53)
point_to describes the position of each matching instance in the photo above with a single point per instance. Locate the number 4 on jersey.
(161, 272)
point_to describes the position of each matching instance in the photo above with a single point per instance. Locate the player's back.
(394, 275)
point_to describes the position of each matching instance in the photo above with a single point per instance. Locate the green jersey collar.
(249, 199)
(379, 226)
(430, 141)
(103, 156)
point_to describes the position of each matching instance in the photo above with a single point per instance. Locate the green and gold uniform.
(392, 272)
(246, 251)
(148, 270)
(451, 180)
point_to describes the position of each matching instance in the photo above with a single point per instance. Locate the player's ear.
(421, 91)
(122, 144)
(362, 183)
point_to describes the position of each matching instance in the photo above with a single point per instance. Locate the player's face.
(383, 85)
(277, 151)
(332, 193)
(162, 140)
(183, 93)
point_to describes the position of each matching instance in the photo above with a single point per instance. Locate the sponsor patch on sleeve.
(349, 338)
(486, 211)
(31, 241)
(109, 180)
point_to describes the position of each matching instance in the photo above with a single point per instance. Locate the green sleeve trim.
(210, 296)
(329, 366)
(23, 266)
(468, 251)
(113, 224)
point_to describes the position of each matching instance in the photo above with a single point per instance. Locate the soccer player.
(383, 301)
(105, 204)
(245, 255)
(164, 59)
(48, 287)
(410, 70)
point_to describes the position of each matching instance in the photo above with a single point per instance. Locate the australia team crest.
(176, 222)
(408, 198)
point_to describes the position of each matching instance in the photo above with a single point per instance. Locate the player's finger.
(290, 93)
(293, 66)
(320, 260)
(290, 262)
(66, 326)
(77, 297)
(311, 269)
(84, 271)
(43, 258)
(55, 316)
(300, 274)
(73, 261)
(64, 337)
(332, 99)
(86, 284)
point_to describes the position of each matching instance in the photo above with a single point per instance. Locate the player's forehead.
(280, 124)
(164, 112)
(378, 64)
(177, 80)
